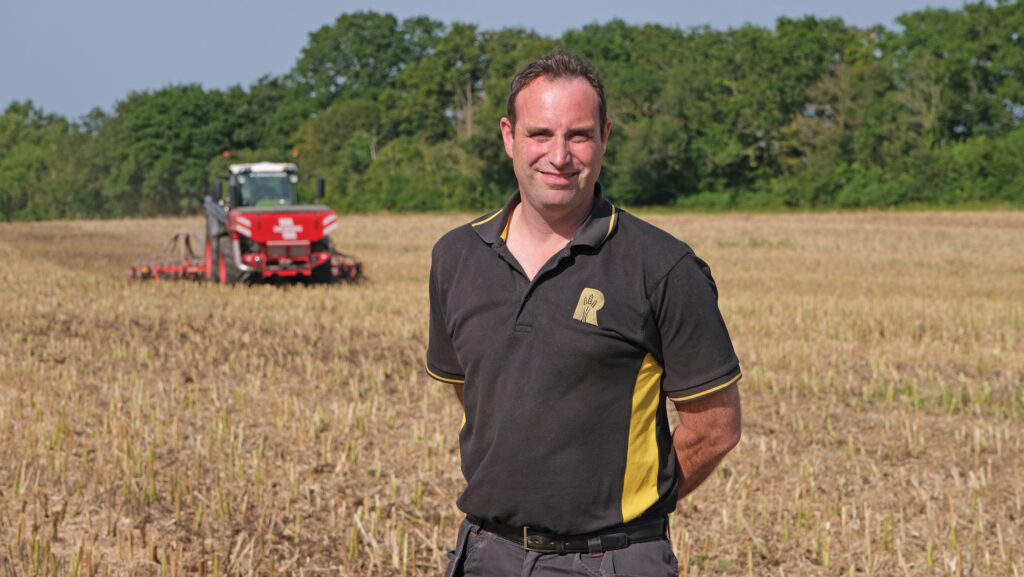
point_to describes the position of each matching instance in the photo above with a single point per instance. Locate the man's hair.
(557, 64)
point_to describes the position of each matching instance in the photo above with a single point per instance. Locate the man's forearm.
(709, 428)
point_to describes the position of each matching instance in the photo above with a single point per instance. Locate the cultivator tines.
(345, 267)
(176, 260)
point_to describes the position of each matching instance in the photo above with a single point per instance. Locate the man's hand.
(709, 428)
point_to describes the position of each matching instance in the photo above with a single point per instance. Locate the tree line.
(403, 116)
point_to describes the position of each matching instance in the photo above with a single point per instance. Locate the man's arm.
(709, 428)
(458, 393)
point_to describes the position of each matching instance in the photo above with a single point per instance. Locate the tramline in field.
(257, 233)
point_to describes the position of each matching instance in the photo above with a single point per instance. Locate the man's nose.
(560, 153)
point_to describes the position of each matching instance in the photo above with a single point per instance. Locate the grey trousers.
(481, 554)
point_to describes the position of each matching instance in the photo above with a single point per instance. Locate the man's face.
(557, 144)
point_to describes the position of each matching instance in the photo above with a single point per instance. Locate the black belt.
(618, 537)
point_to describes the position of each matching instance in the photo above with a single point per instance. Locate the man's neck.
(534, 237)
(541, 225)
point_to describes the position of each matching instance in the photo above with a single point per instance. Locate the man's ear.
(507, 134)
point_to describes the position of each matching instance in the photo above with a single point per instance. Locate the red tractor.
(259, 233)
(256, 233)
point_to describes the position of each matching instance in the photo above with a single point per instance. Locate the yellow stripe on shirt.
(707, 392)
(640, 486)
(445, 379)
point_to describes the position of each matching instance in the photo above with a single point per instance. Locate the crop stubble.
(191, 429)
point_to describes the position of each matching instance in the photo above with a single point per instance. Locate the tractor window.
(267, 191)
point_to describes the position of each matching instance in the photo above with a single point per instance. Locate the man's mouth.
(560, 176)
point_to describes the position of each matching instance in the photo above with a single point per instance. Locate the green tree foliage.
(162, 144)
(268, 115)
(710, 123)
(403, 115)
(435, 113)
(361, 55)
(417, 175)
(917, 117)
(50, 168)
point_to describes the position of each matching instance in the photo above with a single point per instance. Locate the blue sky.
(69, 56)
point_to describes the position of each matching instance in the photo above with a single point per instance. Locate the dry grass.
(190, 429)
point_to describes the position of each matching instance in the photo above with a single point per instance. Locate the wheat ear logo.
(591, 301)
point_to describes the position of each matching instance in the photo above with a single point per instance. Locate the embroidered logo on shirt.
(591, 301)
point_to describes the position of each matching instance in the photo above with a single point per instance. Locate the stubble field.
(189, 429)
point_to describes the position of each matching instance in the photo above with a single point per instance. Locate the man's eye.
(580, 138)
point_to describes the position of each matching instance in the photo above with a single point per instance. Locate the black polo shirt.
(565, 377)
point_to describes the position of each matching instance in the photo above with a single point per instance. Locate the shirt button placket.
(524, 317)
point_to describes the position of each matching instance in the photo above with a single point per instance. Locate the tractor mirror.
(319, 188)
(218, 189)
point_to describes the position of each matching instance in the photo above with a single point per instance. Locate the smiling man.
(564, 324)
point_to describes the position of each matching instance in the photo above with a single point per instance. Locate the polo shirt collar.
(599, 226)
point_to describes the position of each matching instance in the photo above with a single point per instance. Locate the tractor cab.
(269, 184)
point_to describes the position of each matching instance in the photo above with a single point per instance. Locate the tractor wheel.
(227, 269)
(322, 274)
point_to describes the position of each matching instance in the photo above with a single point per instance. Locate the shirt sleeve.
(698, 356)
(442, 362)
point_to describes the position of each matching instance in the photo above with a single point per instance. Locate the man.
(564, 324)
